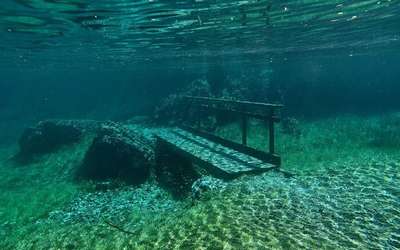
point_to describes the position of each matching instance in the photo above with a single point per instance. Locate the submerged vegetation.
(46, 207)
(111, 171)
(385, 131)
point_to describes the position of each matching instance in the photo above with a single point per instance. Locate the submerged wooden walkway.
(220, 160)
(221, 157)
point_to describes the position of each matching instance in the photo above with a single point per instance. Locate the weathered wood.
(257, 115)
(243, 103)
(244, 130)
(222, 161)
(264, 156)
(271, 136)
(266, 112)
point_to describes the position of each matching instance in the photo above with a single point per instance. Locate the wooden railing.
(267, 112)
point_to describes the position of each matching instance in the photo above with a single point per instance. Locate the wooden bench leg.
(271, 137)
(244, 130)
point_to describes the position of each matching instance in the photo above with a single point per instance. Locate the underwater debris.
(119, 228)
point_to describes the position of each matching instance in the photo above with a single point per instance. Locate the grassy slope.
(30, 192)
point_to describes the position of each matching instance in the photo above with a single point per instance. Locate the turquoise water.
(125, 32)
(110, 74)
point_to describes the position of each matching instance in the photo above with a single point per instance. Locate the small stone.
(204, 185)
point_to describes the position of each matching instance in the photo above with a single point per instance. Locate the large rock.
(46, 137)
(118, 153)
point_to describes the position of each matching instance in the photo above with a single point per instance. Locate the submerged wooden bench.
(221, 157)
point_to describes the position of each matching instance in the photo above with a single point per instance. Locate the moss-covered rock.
(118, 153)
(46, 137)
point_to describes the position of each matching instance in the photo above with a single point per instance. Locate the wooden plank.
(256, 115)
(271, 136)
(245, 109)
(219, 159)
(245, 103)
(244, 130)
(165, 145)
(263, 156)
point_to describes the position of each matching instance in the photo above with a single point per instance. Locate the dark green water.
(333, 64)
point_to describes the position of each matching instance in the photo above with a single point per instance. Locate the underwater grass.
(329, 141)
(344, 195)
(30, 192)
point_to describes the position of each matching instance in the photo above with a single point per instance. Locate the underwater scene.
(199, 124)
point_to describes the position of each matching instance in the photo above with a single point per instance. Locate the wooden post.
(244, 130)
(271, 133)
